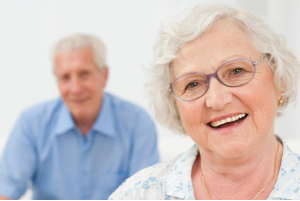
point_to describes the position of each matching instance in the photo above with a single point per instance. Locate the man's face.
(80, 83)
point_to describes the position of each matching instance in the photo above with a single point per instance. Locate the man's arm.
(145, 148)
(18, 161)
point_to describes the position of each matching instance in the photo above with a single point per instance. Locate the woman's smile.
(227, 121)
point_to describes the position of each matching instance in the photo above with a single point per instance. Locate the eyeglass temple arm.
(257, 62)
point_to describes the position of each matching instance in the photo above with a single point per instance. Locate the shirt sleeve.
(144, 148)
(18, 161)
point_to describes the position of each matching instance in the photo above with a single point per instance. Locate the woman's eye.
(237, 71)
(194, 84)
(191, 85)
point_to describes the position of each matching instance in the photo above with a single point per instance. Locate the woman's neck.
(236, 179)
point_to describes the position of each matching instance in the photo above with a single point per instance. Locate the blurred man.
(82, 145)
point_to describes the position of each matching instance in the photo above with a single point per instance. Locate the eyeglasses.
(234, 73)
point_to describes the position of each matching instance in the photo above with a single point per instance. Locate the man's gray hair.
(81, 41)
(174, 35)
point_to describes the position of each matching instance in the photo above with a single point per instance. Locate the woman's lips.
(229, 121)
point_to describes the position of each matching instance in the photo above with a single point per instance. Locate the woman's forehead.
(223, 42)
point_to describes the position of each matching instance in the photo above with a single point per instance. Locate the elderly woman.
(221, 76)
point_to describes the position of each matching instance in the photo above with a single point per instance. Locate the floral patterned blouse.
(172, 180)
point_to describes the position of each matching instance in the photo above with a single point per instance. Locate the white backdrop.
(128, 28)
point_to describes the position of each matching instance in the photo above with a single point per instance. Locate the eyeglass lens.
(232, 74)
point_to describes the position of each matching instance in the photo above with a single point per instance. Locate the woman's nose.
(218, 95)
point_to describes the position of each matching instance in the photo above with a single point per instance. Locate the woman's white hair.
(174, 35)
(81, 41)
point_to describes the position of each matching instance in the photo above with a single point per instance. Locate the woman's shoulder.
(152, 182)
(288, 182)
(148, 179)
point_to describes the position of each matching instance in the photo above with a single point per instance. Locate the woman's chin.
(231, 151)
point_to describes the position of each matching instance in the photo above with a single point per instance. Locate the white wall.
(128, 28)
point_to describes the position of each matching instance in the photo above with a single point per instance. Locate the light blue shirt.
(47, 150)
(172, 180)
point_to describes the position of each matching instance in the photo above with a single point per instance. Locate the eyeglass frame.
(215, 75)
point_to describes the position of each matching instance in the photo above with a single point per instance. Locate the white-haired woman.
(221, 76)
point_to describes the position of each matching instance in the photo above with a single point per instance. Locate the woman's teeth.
(227, 120)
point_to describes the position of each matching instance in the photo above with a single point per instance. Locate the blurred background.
(128, 28)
